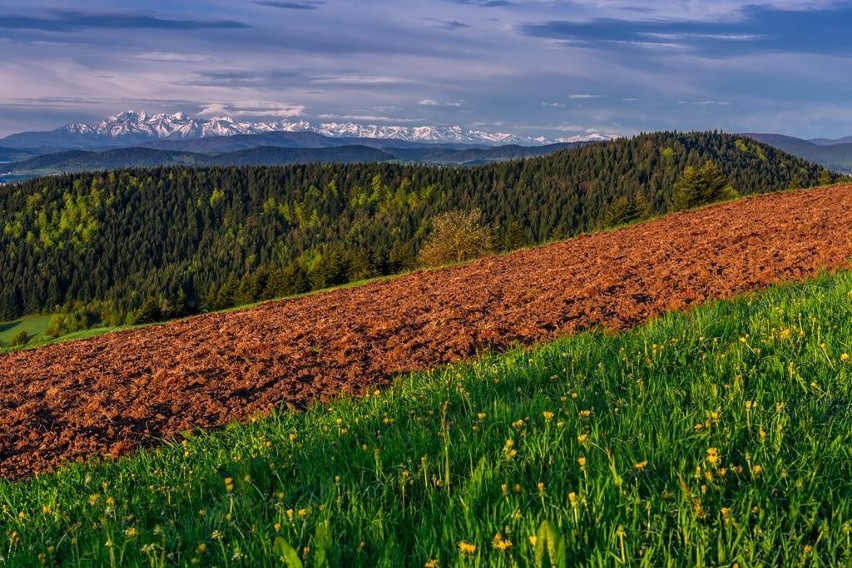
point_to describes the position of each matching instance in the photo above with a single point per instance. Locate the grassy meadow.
(718, 437)
(34, 326)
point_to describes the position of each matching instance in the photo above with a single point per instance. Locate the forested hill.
(176, 240)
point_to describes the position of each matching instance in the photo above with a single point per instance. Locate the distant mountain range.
(832, 154)
(139, 139)
(263, 150)
(132, 128)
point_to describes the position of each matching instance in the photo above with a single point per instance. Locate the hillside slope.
(834, 154)
(108, 394)
(195, 239)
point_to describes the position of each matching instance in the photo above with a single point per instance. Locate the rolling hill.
(833, 154)
(188, 239)
(273, 149)
(208, 370)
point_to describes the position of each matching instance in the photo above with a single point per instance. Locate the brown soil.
(110, 394)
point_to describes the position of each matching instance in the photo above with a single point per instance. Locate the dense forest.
(147, 244)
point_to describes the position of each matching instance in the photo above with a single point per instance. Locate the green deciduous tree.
(456, 236)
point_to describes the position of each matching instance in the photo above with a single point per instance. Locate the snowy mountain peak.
(138, 126)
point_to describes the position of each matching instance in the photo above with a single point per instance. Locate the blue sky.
(539, 67)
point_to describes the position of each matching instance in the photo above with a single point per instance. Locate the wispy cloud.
(611, 65)
(486, 3)
(253, 109)
(70, 21)
(290, 5)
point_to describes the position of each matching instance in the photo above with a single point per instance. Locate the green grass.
(715, 437)
(35, 325)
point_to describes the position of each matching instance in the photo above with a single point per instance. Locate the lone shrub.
(456, 236)
(21, 338)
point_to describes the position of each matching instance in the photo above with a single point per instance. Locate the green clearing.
(710, 438)
(35, 325)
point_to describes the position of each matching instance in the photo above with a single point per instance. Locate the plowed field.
(110, 394)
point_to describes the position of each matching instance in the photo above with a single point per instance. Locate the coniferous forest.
(144, 245)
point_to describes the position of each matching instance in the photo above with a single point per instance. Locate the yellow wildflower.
(500, 543)
(582, 461)
(548, 416)
(641, 465)
(466, 547)
(712, 456)
(431, 564)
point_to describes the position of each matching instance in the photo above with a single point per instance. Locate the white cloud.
(253, 109)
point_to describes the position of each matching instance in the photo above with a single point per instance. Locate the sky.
(539, 67)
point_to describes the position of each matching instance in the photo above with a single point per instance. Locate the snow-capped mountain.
(176, 126)
(136, 127)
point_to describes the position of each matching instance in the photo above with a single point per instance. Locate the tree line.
(148, 244)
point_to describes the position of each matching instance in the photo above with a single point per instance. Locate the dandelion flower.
(548, 415)
(572, 498)
(466, 547)
(500, 543)
(712, 456)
